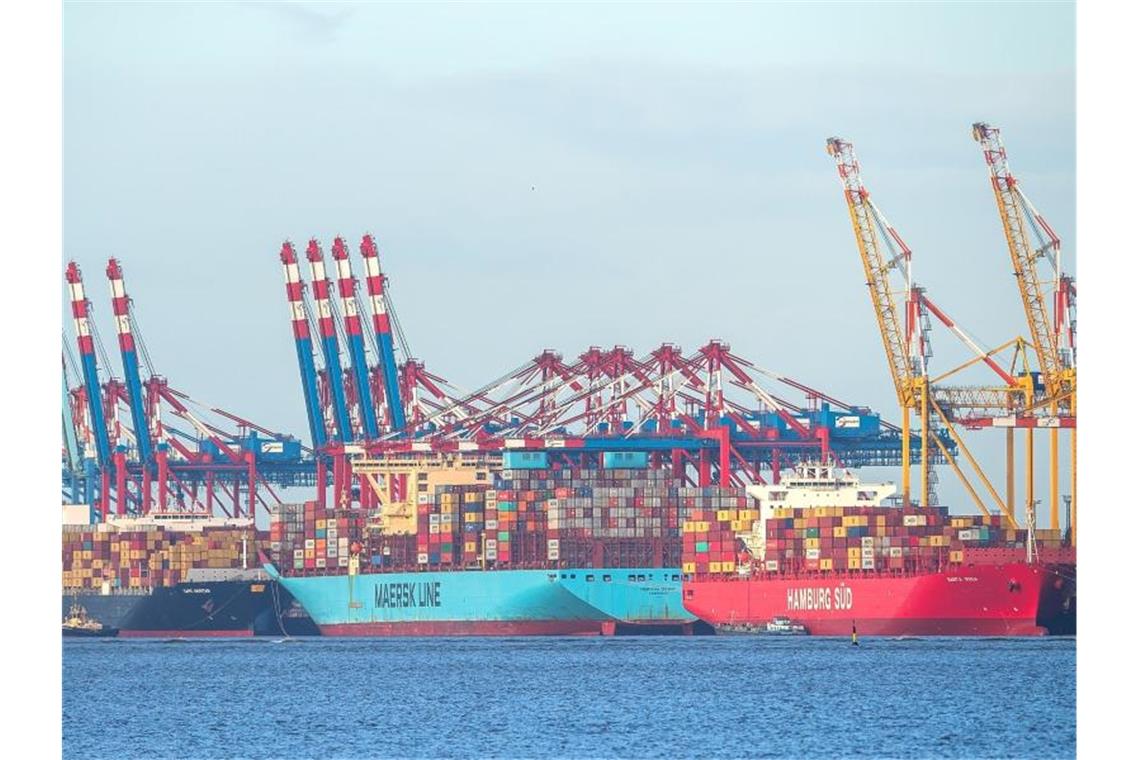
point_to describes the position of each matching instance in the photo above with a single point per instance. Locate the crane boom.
(346, 290)
(121, 306)
(84, 335)
(864, 219)
(1017, 217)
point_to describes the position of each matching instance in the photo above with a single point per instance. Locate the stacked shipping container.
(850, 539)
(528, 517)
(148, 558)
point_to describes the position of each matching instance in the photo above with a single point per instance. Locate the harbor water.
(723, 696)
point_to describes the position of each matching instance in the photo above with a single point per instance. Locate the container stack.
(148, 557)
(304, 537)
(443, 520)
(713, 518)
(626, 515)
(850, 539)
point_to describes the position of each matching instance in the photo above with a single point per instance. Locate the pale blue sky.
(681, 192)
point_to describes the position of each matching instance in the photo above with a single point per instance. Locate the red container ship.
(821, 549)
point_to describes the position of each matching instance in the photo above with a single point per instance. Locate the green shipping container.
(702, 546)
(504, 535)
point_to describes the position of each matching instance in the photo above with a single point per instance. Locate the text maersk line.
(838, 598)
(424, 594)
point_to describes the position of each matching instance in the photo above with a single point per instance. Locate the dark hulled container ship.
(175, 576)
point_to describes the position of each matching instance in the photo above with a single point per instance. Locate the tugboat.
(777, 626)
(77, 623)
(783, 626)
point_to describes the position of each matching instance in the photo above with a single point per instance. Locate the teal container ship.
(566, 601)
(462, 548)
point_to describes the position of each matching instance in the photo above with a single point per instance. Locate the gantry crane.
(1053, 337)
(908, 348)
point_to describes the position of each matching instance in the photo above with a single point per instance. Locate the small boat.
(77, 623)
(783, 626)
(777, 626)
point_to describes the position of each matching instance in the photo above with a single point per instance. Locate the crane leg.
(906, 457)
(1054, 485)
(1010, 491)
(1028, 468)
(925, 462)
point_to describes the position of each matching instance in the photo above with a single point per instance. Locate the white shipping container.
(867, 552)
(868, 564)
(491, 544)
(492, 525)
(867, 541)
(812, 553)
(896, 551)
(772, 565)
(422, 558)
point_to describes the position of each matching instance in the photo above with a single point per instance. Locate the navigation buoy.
(854, 636)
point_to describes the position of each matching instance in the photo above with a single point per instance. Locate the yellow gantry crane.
(907, 345)
(904, 345)
(1053, 336)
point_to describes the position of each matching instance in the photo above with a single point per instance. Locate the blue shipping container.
(524, 460)
(625, 460)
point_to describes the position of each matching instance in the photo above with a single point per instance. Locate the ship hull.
(189, 609)
(986, 600)
(566, 602)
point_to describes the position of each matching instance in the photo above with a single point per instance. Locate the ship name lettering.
(810, 598)
(397, 595)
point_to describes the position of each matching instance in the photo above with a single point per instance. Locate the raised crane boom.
(346, 290)
(865, 217)
(121, 306)
(326, 321)
(1019, 218)
(374, 281)
(905, 346)
(294, 289)
(80, 311)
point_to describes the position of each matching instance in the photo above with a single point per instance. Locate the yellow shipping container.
(956, 556)
(689, 567)
(799, 523)
(724, 515)
(854, 552)
(728, 567)
(850, 521)
(839, 532)
(826, 564)
(320, 524)
(854, 564)
(714, 567)
(811, 543)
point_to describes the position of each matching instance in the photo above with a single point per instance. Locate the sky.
(556, 176)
